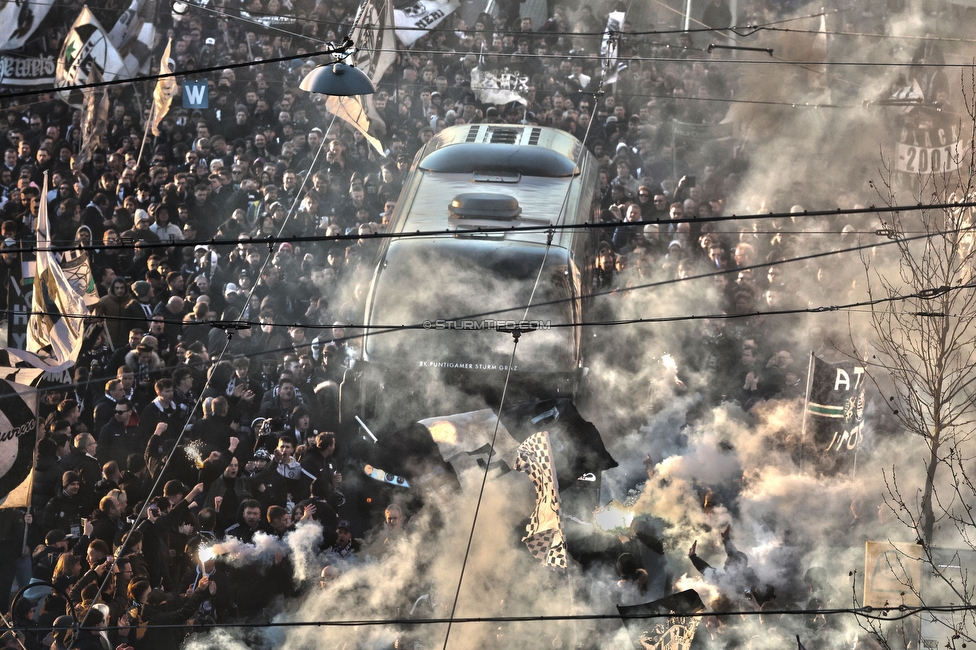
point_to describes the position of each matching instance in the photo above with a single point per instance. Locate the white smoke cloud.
(785, 515)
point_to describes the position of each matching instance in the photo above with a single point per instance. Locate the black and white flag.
(835, 405)
(18, 442)
(544, 533)
(19, 19)
(87, 48)
(499, 86)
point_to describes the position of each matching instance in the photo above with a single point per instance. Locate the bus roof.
(559, 142)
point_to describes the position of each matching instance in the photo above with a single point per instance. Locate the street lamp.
(338, 78)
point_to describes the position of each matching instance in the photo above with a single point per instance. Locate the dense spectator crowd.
(262, 161)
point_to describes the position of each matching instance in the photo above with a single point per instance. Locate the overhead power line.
(332, 49)
(447, 232)
(432, 324)
(873, 613)
(230, 325)
(742, 31)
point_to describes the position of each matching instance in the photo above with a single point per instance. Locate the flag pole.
(30, 477)
(806, 401)
(145, 133)
(674, 162)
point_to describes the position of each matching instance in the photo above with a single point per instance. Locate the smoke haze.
(714, 463)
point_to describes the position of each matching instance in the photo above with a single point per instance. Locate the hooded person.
(83, 236)
(46, 475)
(23, 614)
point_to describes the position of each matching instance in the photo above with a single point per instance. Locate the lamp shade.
(338, 79)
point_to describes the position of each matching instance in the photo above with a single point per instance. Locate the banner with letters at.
(701, 132)
(834, 413)
(20, 294)
(30, 64)
(270, 20)
(414, 19)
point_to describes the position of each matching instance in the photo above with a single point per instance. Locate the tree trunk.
(928, 515)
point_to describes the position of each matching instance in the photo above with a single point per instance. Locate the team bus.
(467, 288)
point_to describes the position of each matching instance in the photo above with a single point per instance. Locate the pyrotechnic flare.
(195, 453)
(614, 517)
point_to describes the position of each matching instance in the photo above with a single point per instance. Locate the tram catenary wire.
(872, 613)
(271, 241)
(350, 337)
(222, 324)
(926, 293)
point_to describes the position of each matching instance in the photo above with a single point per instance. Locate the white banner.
(914, 159)
(77, 269)
(372, 33)
(465, 441)
(19, 19)
(129, 34)
(413, 21)
(267, 20)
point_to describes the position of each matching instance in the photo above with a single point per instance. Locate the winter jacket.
(113, 306)
(64, 512)
(88, 467)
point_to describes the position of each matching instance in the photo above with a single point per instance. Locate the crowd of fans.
(262, 402)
